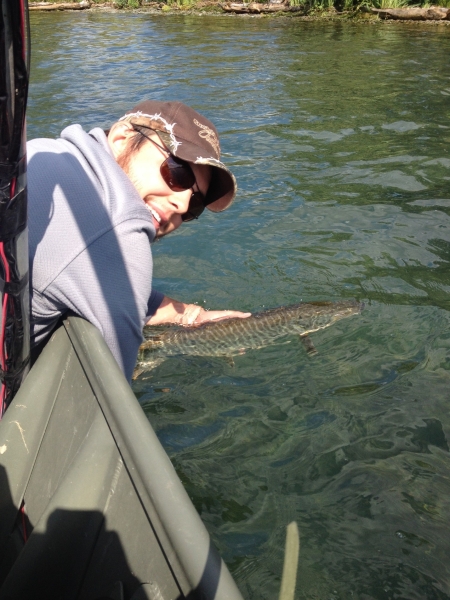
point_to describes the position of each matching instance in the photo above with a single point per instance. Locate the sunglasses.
(196, 207)
(178, 175)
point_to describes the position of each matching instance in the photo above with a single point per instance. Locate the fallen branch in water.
(257, 7)
(433, 13)
(59, 6)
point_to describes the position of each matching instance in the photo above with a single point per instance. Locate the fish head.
(346, 309)
(324, 314)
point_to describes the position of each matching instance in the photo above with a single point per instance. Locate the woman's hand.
(205, 316)
(174, 312)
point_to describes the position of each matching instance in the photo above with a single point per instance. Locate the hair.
(135, 142)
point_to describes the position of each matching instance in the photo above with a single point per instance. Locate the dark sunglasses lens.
(196, 207)
(177, 174)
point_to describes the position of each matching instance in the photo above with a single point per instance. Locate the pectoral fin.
(149, 365)
(137, 371)
(309, 346)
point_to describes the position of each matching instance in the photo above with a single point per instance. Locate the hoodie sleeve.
(154, 303)
(109, 284)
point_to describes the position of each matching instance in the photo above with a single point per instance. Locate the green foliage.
(389, 3)
(317, 6)
(310, 6)
(128, 3)
(324, 4)
(346, 5)
(180, 4)
(327, 6)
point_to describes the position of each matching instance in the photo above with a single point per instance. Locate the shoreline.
(212, 8)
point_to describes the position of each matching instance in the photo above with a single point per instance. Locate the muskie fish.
(231, 337)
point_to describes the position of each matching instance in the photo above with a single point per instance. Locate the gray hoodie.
(89, 242)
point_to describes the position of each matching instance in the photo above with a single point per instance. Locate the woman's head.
(169, 143)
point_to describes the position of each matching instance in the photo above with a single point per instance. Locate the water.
(338, 135)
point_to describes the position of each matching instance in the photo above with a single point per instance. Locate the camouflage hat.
(191, 137)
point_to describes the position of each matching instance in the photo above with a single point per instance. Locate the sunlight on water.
(338, 135)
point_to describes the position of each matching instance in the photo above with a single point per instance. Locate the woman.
(98, 200)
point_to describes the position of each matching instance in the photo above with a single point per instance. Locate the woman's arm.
(172, 311)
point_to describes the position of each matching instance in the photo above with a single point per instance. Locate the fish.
(232, 337)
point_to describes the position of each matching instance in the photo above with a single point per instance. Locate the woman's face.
(143, 168)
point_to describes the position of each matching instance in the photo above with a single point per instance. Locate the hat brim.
(222, 188)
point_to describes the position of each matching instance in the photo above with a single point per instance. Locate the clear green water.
(339, 137)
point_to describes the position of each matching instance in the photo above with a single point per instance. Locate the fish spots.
(231, 337)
